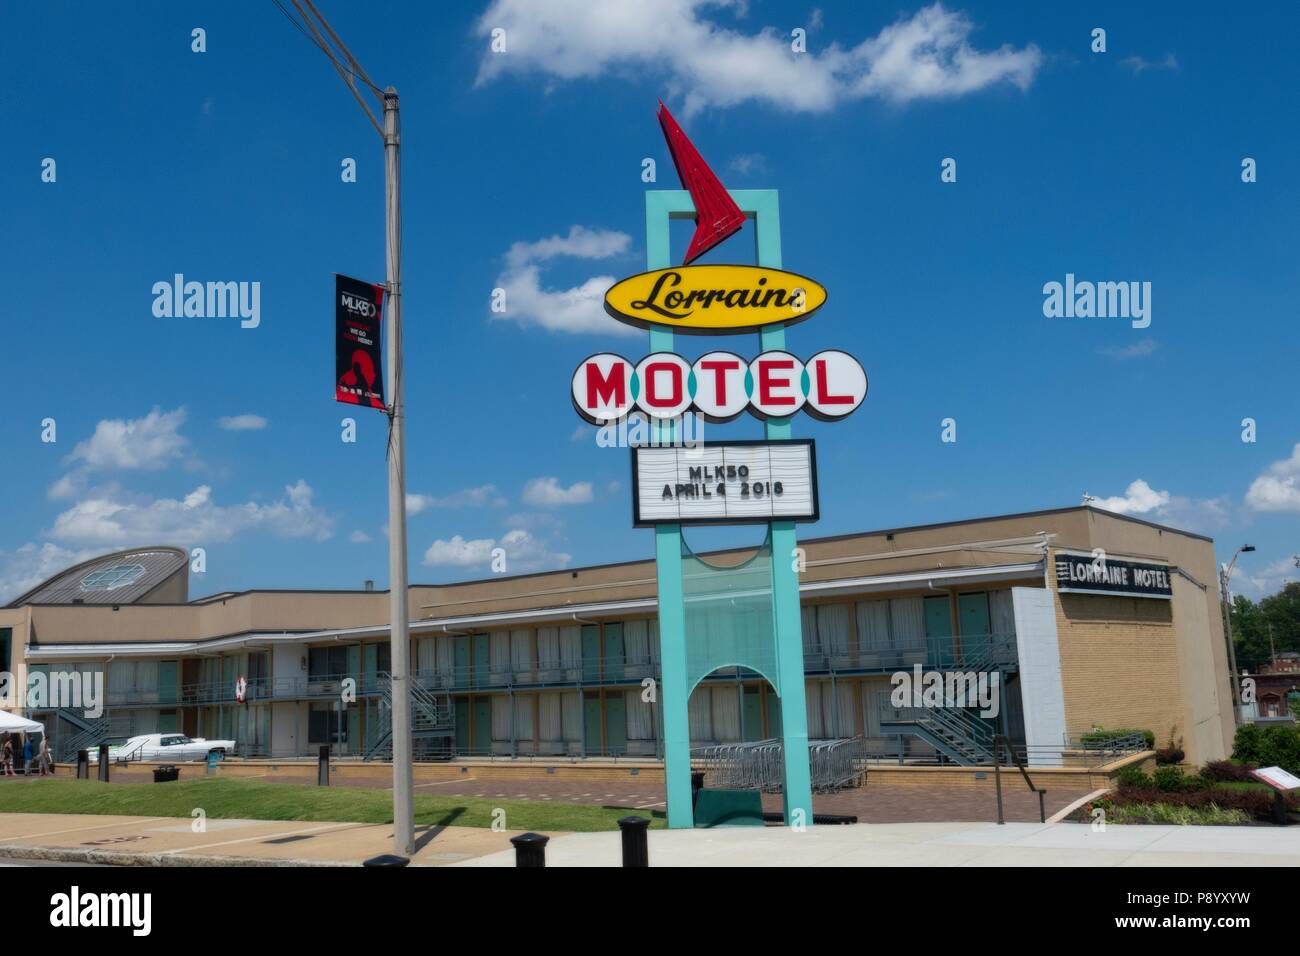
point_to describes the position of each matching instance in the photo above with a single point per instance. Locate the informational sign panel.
(1102, 574)
(725, 483)
(358, 366)
(1277, 778)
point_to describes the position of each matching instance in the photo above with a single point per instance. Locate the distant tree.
(1251, 623)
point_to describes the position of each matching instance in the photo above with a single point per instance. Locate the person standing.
(9, 757)
(27, 754)
(43, 757)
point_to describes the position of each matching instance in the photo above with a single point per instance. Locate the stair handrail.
(1001, 741)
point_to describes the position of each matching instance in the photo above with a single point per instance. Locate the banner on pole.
(358, 363)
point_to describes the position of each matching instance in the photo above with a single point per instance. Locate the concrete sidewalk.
(171, 841)
(936, 844)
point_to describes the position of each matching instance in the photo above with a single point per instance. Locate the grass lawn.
(256, 800)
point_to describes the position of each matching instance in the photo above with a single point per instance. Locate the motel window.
(327, 724)
(331, 661)
(6, 641)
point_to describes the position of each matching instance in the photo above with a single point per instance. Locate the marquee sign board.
(735, 482)
(714, 299)
(718, 385)
(1084, 573)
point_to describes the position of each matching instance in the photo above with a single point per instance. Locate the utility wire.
(345, 71)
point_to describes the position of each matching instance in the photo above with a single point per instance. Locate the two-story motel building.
(553, 664)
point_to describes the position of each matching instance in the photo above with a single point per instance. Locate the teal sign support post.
(763, 206)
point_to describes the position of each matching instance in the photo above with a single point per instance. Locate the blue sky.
(225, 166)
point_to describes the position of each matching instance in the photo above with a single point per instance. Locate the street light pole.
(1225, 578)
(399, 625)
(398, 613)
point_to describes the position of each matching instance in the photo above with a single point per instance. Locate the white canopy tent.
(12, 724)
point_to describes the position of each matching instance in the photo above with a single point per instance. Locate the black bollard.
(530, 849)
(103, 763)
(387, 859)
(636, 850)
(323, 767)
(1279, 808)
(697, 784)
(83, 764)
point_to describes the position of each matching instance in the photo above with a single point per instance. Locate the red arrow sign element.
(716, 214)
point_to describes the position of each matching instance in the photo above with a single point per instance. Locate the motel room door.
(938, 631)
(614, 652)
(973, 611)
(591, 652)
(616, 721)
(591, 734)
(460, 661)
(482, 725)
(480, 661)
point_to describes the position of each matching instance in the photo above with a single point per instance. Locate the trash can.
(166, 774)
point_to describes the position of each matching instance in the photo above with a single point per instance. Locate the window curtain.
(811, 643)
(636, 642)
(907, 620)
(700, 710)
(426, 655)
(1002, 615)
(833, 629)
(499, 653)
(146, 679)
(873, 626)
(571, 646)
(525, 717)
(445, 657)
(845, 704)
(550, 720)
(652, 639)
(572, 708)
(521, 651)
(640, 716)
(813, 698)
(501, 718)
(726, 713)
(548, 648)
(121, 677)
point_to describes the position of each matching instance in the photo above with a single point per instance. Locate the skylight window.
(117, 576)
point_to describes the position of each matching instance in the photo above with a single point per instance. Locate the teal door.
(973, 612)
(370, 667)
(590, 652)
(480, 650)
(616, 723)
(938, 631)
(751, 716)
(483, 725)
(773, 714)
(614, 652)
(167, 685)
(591, 725)
(167, 722)
(460, 649)
(462, 725)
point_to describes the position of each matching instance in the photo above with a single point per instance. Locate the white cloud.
(1188, 514)
(477, 497)
(1271, 578)
(1278, 488)
(148, 443)
(548, 492)
(521, 551)
(359, 537)
(926, 56)
(579, 309)
(111, 519)
(1137, 350)
(1139, 64)
(1139, 498)
(242, 423)
(27, 566)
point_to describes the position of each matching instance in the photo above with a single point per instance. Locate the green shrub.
(1132, 778)
(1227, 771)
(1171, 780)
(1099, 738)
(1177, 814)
(1277, 745)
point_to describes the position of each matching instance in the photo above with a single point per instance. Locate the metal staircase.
(951, 730)
(89, 733)
(433, 723)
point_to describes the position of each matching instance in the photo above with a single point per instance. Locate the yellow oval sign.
(714, 299)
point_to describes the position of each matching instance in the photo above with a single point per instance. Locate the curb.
(10, 851)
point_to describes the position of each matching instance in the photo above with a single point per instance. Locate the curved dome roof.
(122, 577)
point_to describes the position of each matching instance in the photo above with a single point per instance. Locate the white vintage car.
(170, 747)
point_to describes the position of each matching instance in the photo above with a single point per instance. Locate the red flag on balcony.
(716, 214)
